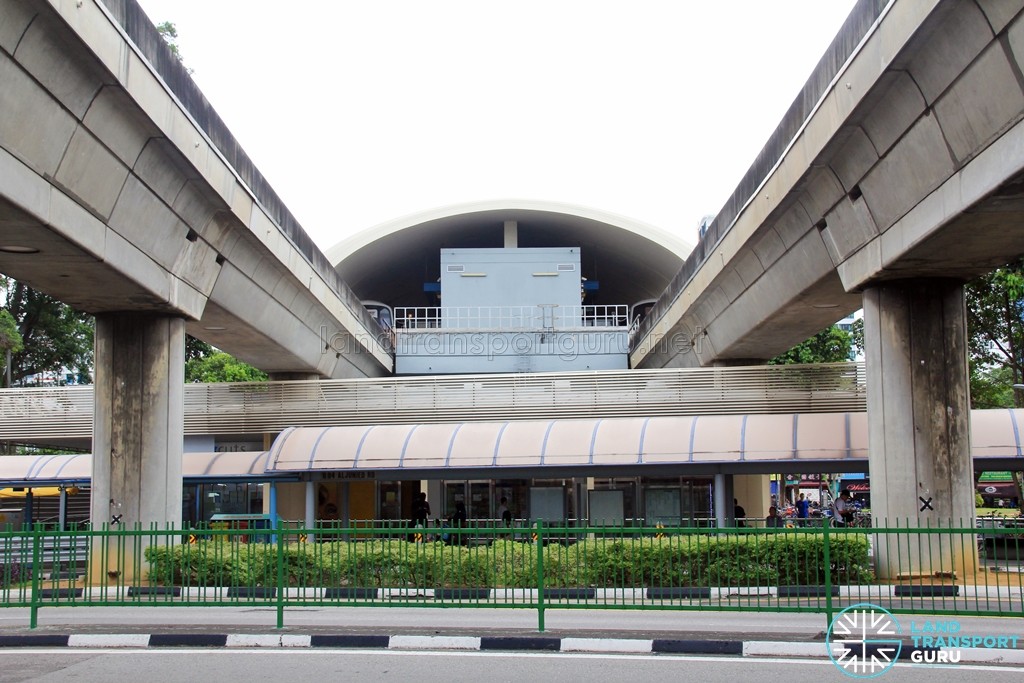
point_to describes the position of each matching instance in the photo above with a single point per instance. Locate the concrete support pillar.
(753, 491)
(310, 517)
(138, 426)
(915, 338)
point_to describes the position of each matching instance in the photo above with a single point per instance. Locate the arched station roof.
(391, 262)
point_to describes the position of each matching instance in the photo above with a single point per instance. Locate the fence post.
(827, 555)
(280, 580)
(36, 575)
(539, 534)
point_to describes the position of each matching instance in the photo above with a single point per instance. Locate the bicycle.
(857, 519)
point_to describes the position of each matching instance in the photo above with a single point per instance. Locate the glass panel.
(569, 499)
(229, 499)
(628, 488)
(697, 510)
(479, 507)
(255, 498)
(454, 492)
(548, 504)
(516, 494)
(606, 507)
(390, 500)
(190, 514)
(662, 506)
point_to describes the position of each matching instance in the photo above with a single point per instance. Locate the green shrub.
(11, 574)
(788, 559)
(515, 563)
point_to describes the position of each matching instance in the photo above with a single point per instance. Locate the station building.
(501, 316)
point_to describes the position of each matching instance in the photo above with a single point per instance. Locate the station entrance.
(618, 501)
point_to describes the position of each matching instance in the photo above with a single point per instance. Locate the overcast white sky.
(358, 112)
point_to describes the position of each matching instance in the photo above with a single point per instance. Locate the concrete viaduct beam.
(902, 158)
(897, 176)
(131, 200)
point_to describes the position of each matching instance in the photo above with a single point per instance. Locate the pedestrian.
(420, 512)
(843, 508)
(504, 514)
(457, 520)
(803, 510)
(738, 513)
(773, 521)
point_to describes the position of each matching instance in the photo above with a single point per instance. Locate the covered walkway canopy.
(628, 446)
(48, 470)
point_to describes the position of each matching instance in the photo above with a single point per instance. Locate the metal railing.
(413, 319)
(954, 569)
(266, 407)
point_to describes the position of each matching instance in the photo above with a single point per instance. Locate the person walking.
(738, 513)
(458, 519)
(504, 514)
(420, 512)
(803, 510)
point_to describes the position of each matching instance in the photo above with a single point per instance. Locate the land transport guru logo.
(865, 640)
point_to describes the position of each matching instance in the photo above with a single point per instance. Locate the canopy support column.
(721, 493)
(310, 520)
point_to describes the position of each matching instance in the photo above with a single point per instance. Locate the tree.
(10, 341)
(995, 342)
(196, 348)
(53, 335)
(995, 336)
(204, 363)
(831, 345)
(991, 387)
(169, 32)
(221, 367)
(857, 334)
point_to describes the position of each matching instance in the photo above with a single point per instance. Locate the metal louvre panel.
(268, 407)
(47, 412)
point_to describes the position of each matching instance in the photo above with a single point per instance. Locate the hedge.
(673, 561)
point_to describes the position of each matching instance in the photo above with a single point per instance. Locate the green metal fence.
(954, 569)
